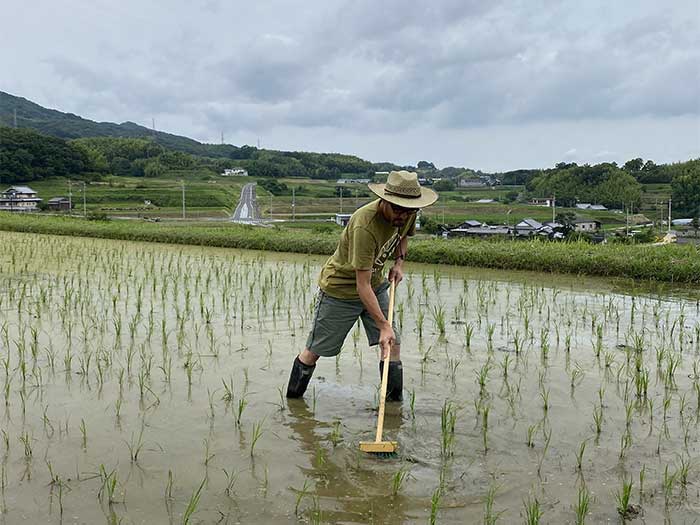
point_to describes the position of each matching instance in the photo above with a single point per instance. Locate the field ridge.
(671, 263)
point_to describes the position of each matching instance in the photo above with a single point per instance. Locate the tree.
(566, 219)
(425, 165)
(274, 187)
(444, 185)
(633, 165)
(695, 223)
(685, 187)
(153, 168)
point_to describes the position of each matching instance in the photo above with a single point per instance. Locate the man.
(352, 284)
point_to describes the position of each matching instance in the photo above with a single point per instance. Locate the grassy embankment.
(671, 263)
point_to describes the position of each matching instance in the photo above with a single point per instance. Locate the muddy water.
(155, 370)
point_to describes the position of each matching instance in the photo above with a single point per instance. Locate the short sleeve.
(411, 227)
(362, 249)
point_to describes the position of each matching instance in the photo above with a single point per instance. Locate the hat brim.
(427, 196)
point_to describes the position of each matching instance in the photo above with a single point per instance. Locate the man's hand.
(396, 273)
(386, 338)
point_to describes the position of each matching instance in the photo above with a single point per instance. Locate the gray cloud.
(361, 67)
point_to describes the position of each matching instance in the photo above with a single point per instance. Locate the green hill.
(70, 126)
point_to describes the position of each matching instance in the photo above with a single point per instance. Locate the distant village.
(23, 199)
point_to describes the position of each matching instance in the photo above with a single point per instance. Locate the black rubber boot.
(299, 378)
(394, 387)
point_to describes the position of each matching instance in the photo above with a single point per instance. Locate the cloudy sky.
(491, 85)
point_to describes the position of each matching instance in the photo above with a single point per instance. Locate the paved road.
(247, 209)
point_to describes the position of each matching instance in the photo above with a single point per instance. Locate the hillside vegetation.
(49, 143)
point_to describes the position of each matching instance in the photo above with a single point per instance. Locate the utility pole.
(669, 215)
(70, 197)
(294, 204)
(554, 206)
(183, 198)
(84, 206)
(270, 205)
(222, 138)
(341, 199)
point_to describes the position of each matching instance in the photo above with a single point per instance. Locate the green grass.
(671, 263)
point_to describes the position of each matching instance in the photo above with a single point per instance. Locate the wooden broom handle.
(385, 371)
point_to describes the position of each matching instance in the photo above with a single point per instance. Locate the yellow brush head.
(378, 446)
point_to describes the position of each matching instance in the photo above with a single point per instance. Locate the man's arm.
(369, 300)
(396, 271)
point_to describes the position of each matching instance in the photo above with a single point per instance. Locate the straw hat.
(402, 189)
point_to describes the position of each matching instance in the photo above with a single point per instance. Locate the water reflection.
(349, 485)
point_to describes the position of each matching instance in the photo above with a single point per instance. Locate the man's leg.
(302, 370)
(394, 387)
(333, 319)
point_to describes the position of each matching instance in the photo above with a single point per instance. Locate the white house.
(586, 225)
(235, 172)
(19, 198)
(341, 219)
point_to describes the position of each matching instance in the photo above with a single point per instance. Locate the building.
(471, 224)
(527, 227)
(19, 198)
(342, 219)
(589, 206)
(353, 181)
(586, 225)
(472, 183)
(59, 204)
(481, 231)
(235, 172)
(546, 202)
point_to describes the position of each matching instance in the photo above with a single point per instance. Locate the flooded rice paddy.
(144, 384)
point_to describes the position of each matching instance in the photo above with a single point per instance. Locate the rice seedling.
(438, 313)
(579, 454)
(547, 440)
(530, 441)
(435, 505)
(582, 506)
(468, 335)
(257, 434)
(193, 503)
(135, 446)
(335, 436)
(398, 479)
(107, 491)
(242, 404)
(598, 419)
(490, 514)
(622, 498)
(300, 495)
(448, 419)
(113, 315)
(231, 479)
(169, 486)
(668, 483)
(532, 511)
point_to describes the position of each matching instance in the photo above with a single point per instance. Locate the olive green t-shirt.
(365, 244)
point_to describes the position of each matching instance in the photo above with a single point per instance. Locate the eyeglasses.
(400, 210)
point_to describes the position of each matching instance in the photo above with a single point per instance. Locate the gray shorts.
(334, 318)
